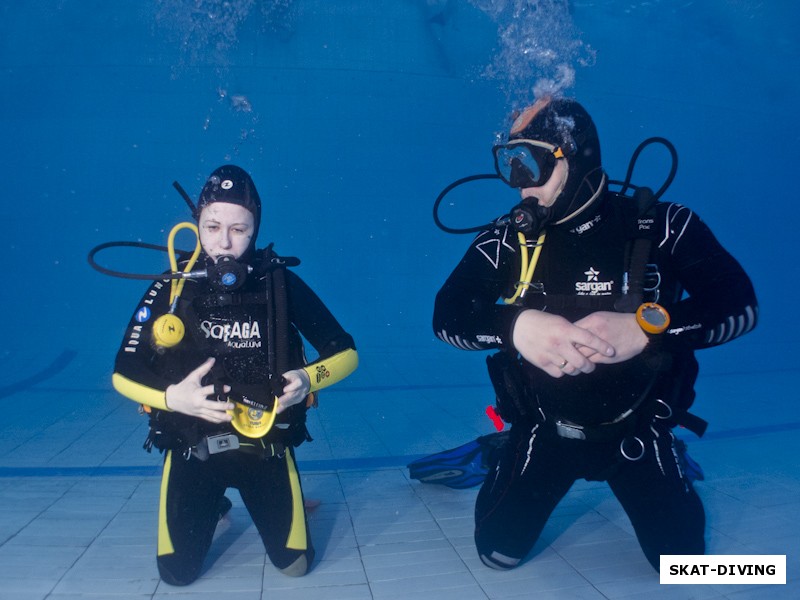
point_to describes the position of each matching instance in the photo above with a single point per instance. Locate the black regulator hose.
(635, 156)
(446, 191)
(182, 255)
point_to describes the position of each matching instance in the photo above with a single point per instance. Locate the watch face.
(655, 316)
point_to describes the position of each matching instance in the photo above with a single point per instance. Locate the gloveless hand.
(191, 398)
(552, 343)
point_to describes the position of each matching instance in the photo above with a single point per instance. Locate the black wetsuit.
(710, 300)
(233, 329)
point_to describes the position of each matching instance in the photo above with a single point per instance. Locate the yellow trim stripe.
(298, 538)
(324, 373)
(164, 539)
(139, 393)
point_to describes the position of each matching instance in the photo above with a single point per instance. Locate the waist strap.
(604, 432)
(216, 444)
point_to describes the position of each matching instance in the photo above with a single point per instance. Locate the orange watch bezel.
(646, 325)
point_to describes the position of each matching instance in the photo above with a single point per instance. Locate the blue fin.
(463, 467)
(691, 469)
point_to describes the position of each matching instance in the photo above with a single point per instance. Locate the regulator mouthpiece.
(529, 218)
(227, 275)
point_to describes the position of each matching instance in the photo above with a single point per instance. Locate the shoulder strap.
(638, 249)
(279, 335)
(274, 269)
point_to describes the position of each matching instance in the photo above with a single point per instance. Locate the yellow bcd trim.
(252, 422)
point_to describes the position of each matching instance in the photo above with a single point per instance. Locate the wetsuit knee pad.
(298, 568)
(171, 571)
(499, 561)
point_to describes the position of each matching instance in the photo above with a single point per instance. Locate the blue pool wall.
(357, 114)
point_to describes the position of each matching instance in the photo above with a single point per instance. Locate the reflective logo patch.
(593, 286)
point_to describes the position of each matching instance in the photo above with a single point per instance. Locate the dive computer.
(652, 318)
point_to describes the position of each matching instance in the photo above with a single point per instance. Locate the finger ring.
(563, 364)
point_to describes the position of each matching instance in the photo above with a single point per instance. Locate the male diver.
(217, 361)
(606, 300)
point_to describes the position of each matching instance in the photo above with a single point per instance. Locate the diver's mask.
(519, 164)
(526, 163)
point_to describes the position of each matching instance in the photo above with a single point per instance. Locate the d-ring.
(631, 457)
(563, 364)
(664, 405)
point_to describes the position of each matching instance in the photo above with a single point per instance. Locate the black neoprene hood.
(564, 122)
(233, 185)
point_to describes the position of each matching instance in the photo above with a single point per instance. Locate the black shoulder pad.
(638, 213)
(268, 260)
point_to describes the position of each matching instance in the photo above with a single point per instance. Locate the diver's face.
(547, 194)
(225, 229)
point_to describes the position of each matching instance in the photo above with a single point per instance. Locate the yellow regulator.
(168, 331)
